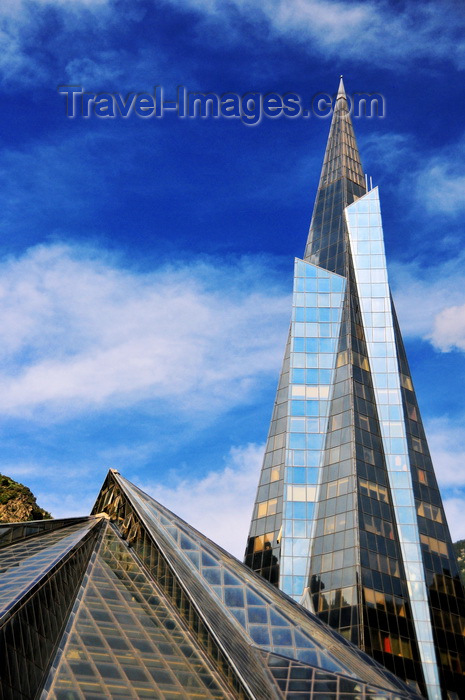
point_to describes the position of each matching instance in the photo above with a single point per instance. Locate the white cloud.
(430, 301)
(106, 66)
(446, 440)
(442, 189)
(27, 57)
(78, 332)
(455, 508)
(72, 503)
(385, 151)
(220, 504)
(435, 183)
(449, 328)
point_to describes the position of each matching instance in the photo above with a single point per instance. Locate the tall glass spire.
(341, 181)
(348, 517)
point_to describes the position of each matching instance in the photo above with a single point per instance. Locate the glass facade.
(370, 552)
(366, 242)
(13, 532)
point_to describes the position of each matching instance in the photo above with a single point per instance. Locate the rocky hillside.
(18, 503)
(460, 552)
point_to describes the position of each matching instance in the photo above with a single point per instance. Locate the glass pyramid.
(132, 602)
(348, 518)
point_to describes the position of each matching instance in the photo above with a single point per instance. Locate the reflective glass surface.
(31, 629)
(342, 180)
(445, 590)
(264, 543)
(126, 641)
(297, 681)
(13, 532)
(23, 564)
(367, 248)
(298, 434)
(315, 331)
(381, 563)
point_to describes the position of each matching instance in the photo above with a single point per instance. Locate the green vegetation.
(18, 503)
(460, 552)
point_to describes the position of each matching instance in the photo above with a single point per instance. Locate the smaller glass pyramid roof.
(134, 603)
(263, 616)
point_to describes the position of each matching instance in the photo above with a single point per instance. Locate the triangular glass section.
(14, 532)
(22, 565)
(366, 240)
(298, 681)
(341, 182)
(125, 640)
(263, 546)
(445, 588)
(39, 599)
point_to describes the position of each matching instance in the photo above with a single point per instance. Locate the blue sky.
(146, 264)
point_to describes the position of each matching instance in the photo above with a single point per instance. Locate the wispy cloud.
(63, 179)
(351, 30)
(449, 328)
(33, 55)
(440, 183)
(446, 439)
(23, 60)
(434, 179)
(79, 332)
(454, 512)
(385, 151)
(337, 28)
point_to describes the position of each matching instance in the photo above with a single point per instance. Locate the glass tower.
(348, 518)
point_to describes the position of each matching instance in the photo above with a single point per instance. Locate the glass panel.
(387, 387)
(31, 630)
(24, 563)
